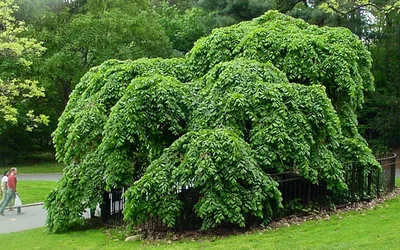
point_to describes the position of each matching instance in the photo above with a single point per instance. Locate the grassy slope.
(371, 229)
(34, 191)
(36, 168)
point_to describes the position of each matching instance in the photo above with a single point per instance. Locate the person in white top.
(4, 188)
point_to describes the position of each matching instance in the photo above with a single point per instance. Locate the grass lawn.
(34, 191)
(370, 229)
(36, 168)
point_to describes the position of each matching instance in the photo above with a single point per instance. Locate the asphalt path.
(32, 217)
(39, 177)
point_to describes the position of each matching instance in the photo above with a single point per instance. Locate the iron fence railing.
(362, 185)
(388, 165)
(112, 207)
(293, 187)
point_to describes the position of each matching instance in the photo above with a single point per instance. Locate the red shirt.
(12, 182)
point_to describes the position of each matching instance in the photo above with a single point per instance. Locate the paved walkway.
(33, 217)
(39, 177)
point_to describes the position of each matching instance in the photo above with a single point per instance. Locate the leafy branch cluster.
(221, 166)
(289, 125)
(78, 137)
(266, 96)
(347, 8)
(17, 54)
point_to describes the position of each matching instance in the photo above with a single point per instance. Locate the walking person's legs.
(10, 195)
(3, 196)
(11, 204)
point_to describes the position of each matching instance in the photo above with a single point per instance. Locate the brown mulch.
(195, 235)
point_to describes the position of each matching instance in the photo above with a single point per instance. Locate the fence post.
(369, 183)
(393, 174)
(378, 185)
(105, 207)
(388, 165)
(353, 182)
(362, 180)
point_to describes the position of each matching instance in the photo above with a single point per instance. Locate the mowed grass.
(34, 191)
(377, 228)
(36, 168)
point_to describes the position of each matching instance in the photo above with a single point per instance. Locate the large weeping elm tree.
(267, 96)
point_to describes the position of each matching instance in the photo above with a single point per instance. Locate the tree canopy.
(267, 96)
(17, 54)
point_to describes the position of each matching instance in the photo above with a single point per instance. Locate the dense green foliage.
(93, 32)
(217, 163)
(81, 34)
(267, 96)
(334, 58)
(234, 11)
(382, 113)
(78, 35)
(147, 119)
(290, 126)
(375, 22)
(17, 54)
(184, 27)
(79, 133)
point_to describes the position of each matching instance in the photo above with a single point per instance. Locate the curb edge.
(33, 204)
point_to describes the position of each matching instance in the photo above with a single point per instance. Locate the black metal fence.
(295, 188)
(113, 206)
(362, 185)
(388, 171)
(365, 185)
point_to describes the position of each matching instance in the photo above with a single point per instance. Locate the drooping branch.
(343, 13)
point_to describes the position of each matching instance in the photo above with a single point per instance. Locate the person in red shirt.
(11, 192)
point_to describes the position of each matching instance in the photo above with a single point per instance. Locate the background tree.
(79, 35)
(239, 10)
(184, 26)
(17, 54)
(382, 111)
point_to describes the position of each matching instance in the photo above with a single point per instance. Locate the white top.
(4, 180)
